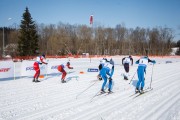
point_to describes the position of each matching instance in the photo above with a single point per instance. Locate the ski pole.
(132, 77)
(95, 96)
(151, 75)
(106, 86)
(47, 68)
(85, 90)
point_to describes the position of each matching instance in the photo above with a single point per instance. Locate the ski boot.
(33, 80)
(63, 81)
(109, 91)
(125, 78)
(141, 91)
(102, 91)
(136, 90)
(37, 80)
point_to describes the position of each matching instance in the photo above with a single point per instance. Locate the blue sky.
(108, 13)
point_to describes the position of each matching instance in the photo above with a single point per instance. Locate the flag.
(91, 19)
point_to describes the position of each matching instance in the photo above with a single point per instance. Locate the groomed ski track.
(51, 100)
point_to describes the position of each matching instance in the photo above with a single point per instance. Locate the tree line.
(30, 38)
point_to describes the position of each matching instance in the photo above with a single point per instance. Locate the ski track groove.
(101, 108)
(169, 77)
(160, 109)
(125, 106)
(29, 99)
(34, 107)
(112, 105)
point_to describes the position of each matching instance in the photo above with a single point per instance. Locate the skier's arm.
(122, 61)
(153, 61)
(69, 67)
(43, 61)
(131, 61)
(100, 67)
(111, 73)
(145, 70)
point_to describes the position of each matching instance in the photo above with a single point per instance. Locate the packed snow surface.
(22, 99)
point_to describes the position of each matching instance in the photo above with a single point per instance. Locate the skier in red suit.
(39, 60)
(61, 69)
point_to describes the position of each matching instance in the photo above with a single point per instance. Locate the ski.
(143, 93)
(108, 93)
(134, 94)
(101, 94)
(147, 89)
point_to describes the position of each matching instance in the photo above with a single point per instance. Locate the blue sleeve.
(112, 72)
(137, 62)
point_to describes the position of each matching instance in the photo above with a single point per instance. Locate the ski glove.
(137, 62)
(110, 79)
(153, 61)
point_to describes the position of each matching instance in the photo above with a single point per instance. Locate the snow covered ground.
(51, 100)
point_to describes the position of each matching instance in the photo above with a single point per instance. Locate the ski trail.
(51, 100)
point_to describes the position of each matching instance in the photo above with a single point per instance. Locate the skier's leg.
(142, 83)
(126, 67)
(110, 86)
(35, 66)
(104, 83)
(37, 69)
(38, 73)
(63, 76)
(139, 79)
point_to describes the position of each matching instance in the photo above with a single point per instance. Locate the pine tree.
(28, 39)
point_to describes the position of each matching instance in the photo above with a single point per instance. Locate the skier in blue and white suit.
(106, 73)
(143, 61)
(102, 62)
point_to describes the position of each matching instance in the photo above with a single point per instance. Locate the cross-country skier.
(126, 61)
(111, 61)
(61, 68)
(39, 60)
(106, 73)
(102, 62)
(143, 61)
